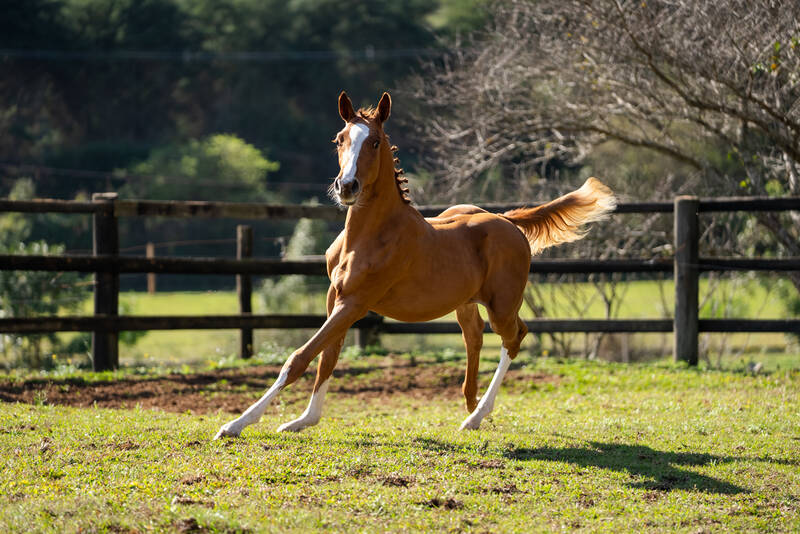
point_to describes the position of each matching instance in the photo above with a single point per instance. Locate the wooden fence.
(106, 263)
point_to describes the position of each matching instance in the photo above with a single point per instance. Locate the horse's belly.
(417, 300)
(412, 313)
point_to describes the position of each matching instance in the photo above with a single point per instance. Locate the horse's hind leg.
(469, 319)
(512, 330)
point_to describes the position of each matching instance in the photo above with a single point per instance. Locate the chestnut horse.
(391, 260)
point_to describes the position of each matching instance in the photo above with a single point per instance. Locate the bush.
(285, 294)
(200, 170)
(32, 293)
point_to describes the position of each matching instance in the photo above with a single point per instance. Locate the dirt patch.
(233, 390)
(447, 504)
(189, 524)
(394, 479)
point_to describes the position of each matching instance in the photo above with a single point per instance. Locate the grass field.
(578, 446)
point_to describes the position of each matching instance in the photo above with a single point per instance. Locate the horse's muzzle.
(346, 191)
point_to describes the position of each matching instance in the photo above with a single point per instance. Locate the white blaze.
(358, 132)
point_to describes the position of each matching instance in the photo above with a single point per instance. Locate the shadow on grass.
(659, 467)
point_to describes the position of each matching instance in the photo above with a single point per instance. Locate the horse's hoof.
(470, 424)
(294, 426)
(226, 433)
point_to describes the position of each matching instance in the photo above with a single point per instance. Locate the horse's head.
(359, 146)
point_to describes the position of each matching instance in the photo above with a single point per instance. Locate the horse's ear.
(384, 108)
(346, 111)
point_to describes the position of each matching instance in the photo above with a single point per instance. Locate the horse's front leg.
(343, 315)
(313, 413)
(327, 362)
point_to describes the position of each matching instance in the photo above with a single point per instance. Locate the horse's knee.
(522, 331)
(295, 366)
(513, 335)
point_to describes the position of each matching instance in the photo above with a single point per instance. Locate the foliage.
(594, 447)
(14, 227)
(310, 237)
(132, 75)
(220, 166)
(460, 17)
(91, 87)
(32, 293)
(200, 170)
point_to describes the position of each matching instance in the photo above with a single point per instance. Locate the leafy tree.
(460, 18)
(106, 79)
(217, 167)
(201, 170)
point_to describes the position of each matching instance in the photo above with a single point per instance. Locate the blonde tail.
(561, 220)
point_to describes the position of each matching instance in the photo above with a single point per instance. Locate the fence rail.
(315, 265)
(252, 210)
(117, 323)
(107, 264)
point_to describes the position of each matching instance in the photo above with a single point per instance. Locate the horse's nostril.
(355, 187)
(337, 186)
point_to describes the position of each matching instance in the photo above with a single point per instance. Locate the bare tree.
(712, 85)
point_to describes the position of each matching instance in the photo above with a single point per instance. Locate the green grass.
(600, 447)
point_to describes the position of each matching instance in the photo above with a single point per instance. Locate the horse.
(391, 260)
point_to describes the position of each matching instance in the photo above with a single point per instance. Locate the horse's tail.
(561, 220)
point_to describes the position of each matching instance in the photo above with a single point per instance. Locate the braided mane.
(399, 179)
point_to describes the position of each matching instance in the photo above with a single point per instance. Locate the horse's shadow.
(658, 469)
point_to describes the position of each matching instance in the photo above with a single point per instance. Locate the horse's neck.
(384, 210)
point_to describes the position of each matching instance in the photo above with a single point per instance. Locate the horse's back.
(459, 209)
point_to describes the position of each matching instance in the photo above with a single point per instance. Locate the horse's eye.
(376, 144)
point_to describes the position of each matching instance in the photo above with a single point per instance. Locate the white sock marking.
(312, 414)
(255, 411)
(358, 133)
(486, 404)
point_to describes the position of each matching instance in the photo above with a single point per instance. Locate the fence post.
(369, 335)
(105, 348)
(686, 279)
(150, 252)
(244, 286)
